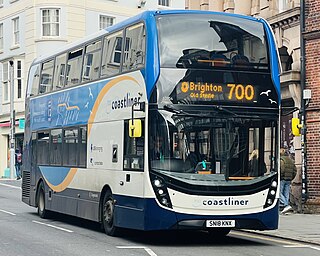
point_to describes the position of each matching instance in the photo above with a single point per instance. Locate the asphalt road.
(23, 233)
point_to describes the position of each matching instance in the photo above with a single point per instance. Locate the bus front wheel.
(42, 212)
(108, 215)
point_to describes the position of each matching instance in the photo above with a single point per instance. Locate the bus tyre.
(108, 215)
(42, 212)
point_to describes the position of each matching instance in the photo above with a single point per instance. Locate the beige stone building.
(31, 28)
(284, 18)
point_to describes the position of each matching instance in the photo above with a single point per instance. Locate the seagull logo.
(272, 101)
(265, 93)
(90, 93)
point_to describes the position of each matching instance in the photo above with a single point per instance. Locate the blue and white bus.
(168, 120)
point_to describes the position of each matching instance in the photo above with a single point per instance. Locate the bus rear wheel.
(108, 215)
(42, 212)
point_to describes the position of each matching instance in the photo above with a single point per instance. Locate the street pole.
(12, 123)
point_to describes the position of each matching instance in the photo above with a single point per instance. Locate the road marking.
(302, 246)
(263, 237)
(52, 226)
(11, 213)
(148, 250)
(10, 186)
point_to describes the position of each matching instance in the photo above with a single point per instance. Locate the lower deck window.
(61, 147)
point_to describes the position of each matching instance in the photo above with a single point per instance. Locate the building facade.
(284, 18)
(31, 28)
(311, 37)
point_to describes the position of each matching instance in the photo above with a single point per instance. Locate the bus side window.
(59, 71)
(111, 56)
(46, 77)
(133, 150)
(73, 71)
(56, 147)
(91, 64)
(33, 80)
(34, 149)
(70, 147)
(135, 48)
(83, 147)
(43, 148)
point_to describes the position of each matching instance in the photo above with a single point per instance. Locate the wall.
(312, 38)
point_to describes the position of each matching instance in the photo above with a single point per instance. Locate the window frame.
(19, 77)
(5, 82)
(51, 22)
(166, 3)
(15, 31)
(106, 25)
(1, 37)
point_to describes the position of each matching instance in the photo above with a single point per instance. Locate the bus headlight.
(271, 194)
(157, 183)
(160, 189)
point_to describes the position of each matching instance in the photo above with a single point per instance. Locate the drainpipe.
(304, 180)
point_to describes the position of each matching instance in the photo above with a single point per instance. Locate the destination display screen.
(243, 93)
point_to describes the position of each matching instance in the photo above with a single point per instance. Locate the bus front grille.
(26, 184)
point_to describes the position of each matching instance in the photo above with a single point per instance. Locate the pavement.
(292, 226)
(297, 227)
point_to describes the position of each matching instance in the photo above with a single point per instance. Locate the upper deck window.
(135, 48)
(91, 64)
(112, 54)
(73, 67)
(46, 77)
(212, 41)
(59, 71)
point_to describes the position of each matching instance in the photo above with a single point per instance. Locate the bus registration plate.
(220, 223)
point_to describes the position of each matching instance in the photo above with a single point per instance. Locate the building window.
(1, 36)
(5, 81)
(164, 2)
(50, 22)
(19, 79)
(106, 21)
(16, 32)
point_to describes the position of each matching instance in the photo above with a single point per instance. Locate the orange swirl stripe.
(101, 95)
(65, 183)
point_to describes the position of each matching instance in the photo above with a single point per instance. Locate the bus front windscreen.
(212, 41)
(198, 146)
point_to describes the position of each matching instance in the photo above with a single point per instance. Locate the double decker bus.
(168, 120)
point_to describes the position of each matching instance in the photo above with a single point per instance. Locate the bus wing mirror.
(135, 128)
(296, 126)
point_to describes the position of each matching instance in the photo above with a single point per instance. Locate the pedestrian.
(18, 163)
(288, 171)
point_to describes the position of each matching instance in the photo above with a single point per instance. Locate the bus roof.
(147, 15)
